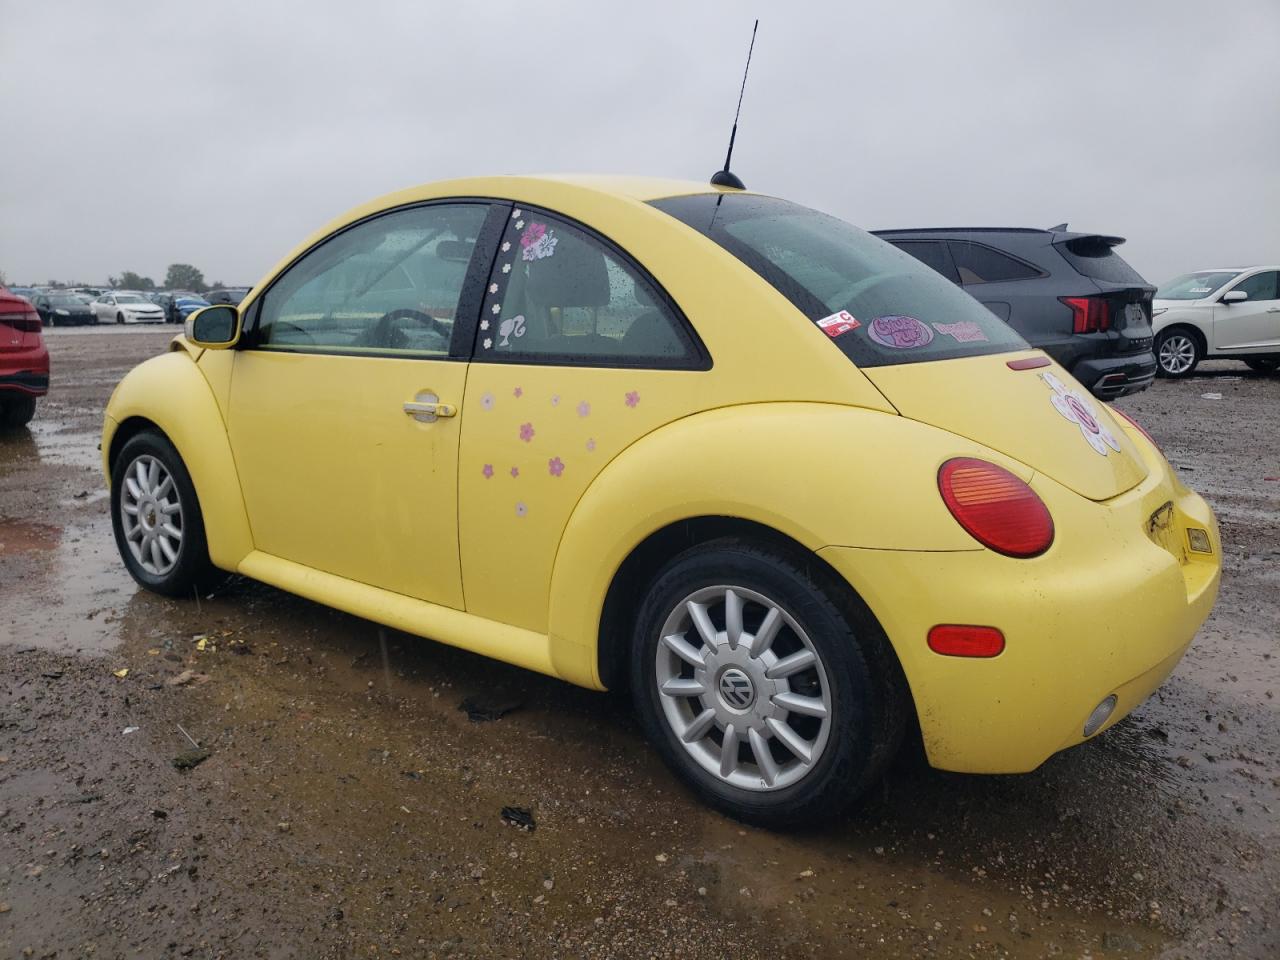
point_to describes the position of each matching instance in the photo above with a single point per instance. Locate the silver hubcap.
(743, 688)
(151, 514)
(1177, 353)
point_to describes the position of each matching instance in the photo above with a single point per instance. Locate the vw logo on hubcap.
(736, 689)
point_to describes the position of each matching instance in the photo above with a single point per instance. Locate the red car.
(24, 360)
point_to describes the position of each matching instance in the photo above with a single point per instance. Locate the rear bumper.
(25, 372)
(1092, 359)
(1108, 610)
(1111, 377)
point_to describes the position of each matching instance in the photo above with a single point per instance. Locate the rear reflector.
(995, 507)
(957, 640)
(1088, 314)
(1028, 363)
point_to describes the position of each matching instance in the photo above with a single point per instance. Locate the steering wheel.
(384, 333)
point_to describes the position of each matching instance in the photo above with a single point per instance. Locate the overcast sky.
(220, 133)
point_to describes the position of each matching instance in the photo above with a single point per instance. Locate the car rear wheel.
(156, 517)
(1178, 351)
(759, 688)
(119, 318)
(1264, 365)
(16, 412)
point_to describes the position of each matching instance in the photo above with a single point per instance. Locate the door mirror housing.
(1235, 296)
(214, 328)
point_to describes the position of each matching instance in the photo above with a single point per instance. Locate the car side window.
(932, 253)
(1261, 286)
(559, 294)
(978, 263)
(388, 285)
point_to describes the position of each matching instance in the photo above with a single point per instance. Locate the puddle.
(72, 448)
(19, 536)
(62, 590)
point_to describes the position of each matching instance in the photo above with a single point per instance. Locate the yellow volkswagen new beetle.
(793, 487)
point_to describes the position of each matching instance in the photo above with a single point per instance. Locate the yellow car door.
(347, 393)
(579, 353)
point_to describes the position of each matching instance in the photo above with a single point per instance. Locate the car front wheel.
(156, 517)
(1264, 365)
(1178, 351)
(764, 689)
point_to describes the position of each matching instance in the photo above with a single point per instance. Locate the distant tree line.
(180, 276)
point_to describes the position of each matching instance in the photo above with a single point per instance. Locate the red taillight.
(1088, 314)
(959, 640)
(1137, 426)
(28, 321)
(995, 507)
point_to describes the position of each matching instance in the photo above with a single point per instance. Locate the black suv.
(1070, 294)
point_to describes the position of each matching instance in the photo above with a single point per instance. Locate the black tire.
(119, 318)
(1178, 351)
(1264, 365)
(192, 571)
(863, 681)
(16, 411)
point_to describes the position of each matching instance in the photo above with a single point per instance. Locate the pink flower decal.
(486, 401)
(591, 445)
(633, 398)
(533, 234)
(556, 466)
(518, 392)
(521, 509)
(555, 399)
(584, 409)
(487, 470)
(536, 243)
(526, 432)
(515, 472)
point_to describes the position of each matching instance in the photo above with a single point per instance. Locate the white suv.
(1218, 313)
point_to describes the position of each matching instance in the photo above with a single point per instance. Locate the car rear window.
(1096, 258)
(879, 305)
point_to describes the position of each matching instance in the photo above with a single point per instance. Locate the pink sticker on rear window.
(838, 323)
(899, 332)
(966, 331)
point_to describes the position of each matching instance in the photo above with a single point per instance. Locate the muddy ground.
(348, 808)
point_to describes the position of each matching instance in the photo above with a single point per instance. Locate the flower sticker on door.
(1072, 405)
(487, 471)
(633, 398)
(526, 432)
(584, 409)
(486, 400)
(555, 466)
(537, 242)
(521, 509)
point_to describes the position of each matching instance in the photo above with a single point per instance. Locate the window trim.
(1038, 272)
(1242, 280)
(466, 318)
(699, 357)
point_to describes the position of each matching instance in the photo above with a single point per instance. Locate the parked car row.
(83, 305)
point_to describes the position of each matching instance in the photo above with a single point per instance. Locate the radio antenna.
(724, 178)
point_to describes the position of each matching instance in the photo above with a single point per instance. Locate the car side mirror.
(1235, 296)
(214, 328)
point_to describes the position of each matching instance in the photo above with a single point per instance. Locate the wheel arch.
(169, 394)
(1191, 328)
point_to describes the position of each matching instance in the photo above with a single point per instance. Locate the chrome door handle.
(426, 408)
